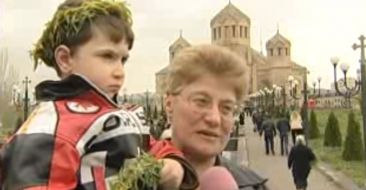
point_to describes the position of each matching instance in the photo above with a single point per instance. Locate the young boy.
(78, 137)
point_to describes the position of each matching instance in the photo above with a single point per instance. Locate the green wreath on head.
(68, 22)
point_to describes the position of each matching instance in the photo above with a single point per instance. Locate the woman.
(299, 161)
(204, 85)
(296, 125)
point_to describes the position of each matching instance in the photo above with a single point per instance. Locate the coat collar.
(72, 86)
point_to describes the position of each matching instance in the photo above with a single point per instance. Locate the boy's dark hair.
(75, 22)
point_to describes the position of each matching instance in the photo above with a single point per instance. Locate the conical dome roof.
(278, 38)
(180, 42)
(232, 11)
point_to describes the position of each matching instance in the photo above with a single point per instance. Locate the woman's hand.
(171, 176)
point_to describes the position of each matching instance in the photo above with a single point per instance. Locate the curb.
(337, 177)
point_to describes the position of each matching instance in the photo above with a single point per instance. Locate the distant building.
(231, 28)
(329, 98)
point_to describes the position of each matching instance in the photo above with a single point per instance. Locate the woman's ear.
(63, 59)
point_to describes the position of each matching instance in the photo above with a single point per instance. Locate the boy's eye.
(108, 56)
(124, 60)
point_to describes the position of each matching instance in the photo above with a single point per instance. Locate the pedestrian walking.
(296, 125)
(259, 118)
(269, 130)
(299, 161)
(283, 127)
(254, 120)
(241, 119)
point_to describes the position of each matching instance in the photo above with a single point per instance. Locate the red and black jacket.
(76, 138)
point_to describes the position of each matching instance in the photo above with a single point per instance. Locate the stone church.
(231, 28)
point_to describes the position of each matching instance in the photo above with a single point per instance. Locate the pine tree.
(353, 143)
(155, 113)
(314, 130)
(332, 134)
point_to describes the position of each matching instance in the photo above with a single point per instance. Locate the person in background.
(283, 127)
(299, 161)
(269, 130)
(254, 120)
(204, 85)
(241, 118)
(296, 125)
(258, 120)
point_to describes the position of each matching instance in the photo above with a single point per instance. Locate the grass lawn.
(355, 169)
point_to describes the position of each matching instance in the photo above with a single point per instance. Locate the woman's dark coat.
(299, 161)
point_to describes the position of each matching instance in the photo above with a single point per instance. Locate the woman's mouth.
(208, 134)
(114, 88)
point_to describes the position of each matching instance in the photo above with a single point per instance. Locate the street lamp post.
(16, 97)
(277, 92)
(348, 90)
(363, 84)
(314, 88)
(283, 90)
(293, 85)
(304, 110)
(319, 79)
(26, 98)
(277, 96)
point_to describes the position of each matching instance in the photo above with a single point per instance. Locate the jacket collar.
(72, 86)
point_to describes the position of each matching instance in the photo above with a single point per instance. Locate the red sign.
(311, 103)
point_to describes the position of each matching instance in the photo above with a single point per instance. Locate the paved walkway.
(275, 167)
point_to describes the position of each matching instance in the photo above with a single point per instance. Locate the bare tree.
(9, 76)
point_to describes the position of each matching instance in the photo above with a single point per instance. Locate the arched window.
(279, 51)
(214, 33)
(246, 32)
(286, 51)
(271, 51)
(241, 31)
(219, 32)
(226, 32)
(233, 28)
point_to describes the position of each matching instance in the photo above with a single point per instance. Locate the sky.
(318, 30)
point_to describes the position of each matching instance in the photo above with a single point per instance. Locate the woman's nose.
(213, 115)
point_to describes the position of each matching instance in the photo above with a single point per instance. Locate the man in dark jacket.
(241, 119)
(283, 127)
(269, 130)
(299, 161)
(258, 120)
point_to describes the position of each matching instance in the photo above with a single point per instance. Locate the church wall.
(160, 84)
(229, 31)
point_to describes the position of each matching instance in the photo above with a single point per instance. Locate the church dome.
(229, 11)
(180, 43)
(177, 46)
(278, 38)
